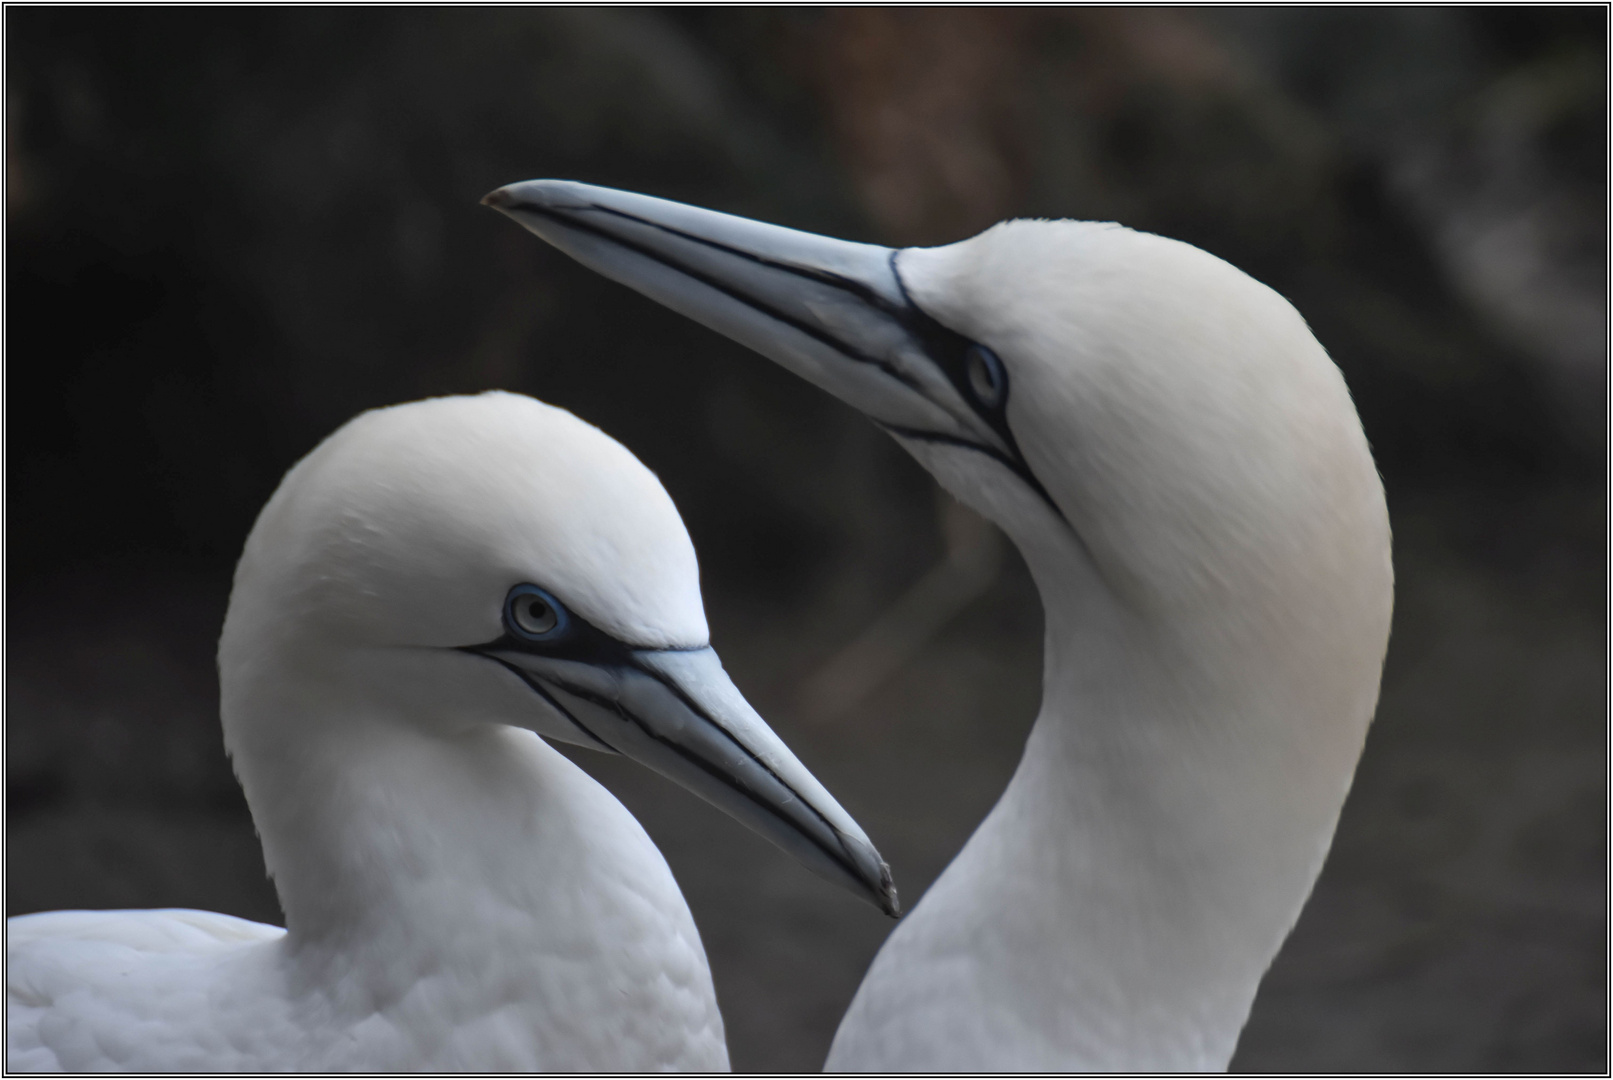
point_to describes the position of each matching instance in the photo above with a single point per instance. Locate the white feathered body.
(485, 961)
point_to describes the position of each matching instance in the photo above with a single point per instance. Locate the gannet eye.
(531, 613)
(986, 376)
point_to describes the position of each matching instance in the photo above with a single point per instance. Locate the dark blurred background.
(230, 230)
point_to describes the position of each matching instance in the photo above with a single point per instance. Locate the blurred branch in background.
(968, 568)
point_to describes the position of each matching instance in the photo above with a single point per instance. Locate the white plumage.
(458, 894)
(1183, 470)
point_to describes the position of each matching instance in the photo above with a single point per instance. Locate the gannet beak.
(834, 312)
(677, 712)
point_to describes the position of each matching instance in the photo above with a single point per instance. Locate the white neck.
(1118, 907)
(453, 881)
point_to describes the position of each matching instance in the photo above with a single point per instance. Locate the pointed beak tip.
(888, 901)
(498, 198)
(874, 874)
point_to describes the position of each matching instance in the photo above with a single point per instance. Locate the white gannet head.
(495, 560)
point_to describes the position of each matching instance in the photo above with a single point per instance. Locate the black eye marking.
(533, 614)
(536, 622)
(962, 360)
(955, 355)
(987, 379)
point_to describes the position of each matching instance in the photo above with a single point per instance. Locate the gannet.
(429, 591)
(1184, 472)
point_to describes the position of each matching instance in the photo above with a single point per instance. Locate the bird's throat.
(1118, 907)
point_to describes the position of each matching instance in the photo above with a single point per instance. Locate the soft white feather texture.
(1217, 611)
(458, 894)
